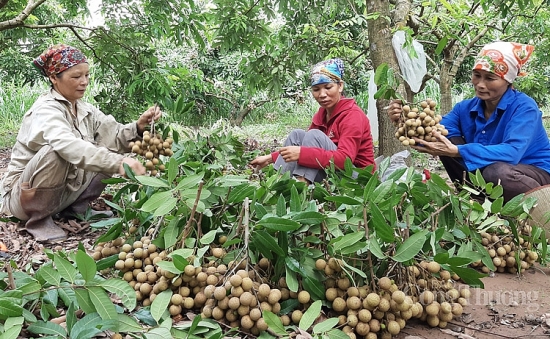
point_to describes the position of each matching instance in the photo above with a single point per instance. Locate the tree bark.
(381, 51)
(20, 19)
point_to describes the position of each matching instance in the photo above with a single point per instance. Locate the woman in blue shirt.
(499, 132)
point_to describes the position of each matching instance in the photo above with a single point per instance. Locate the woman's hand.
(135, 165)
(261, 161)
(290, 153)
(147, 117)
(441, 147)
(395, 110)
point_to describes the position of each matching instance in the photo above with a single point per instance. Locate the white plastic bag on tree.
(397, 161)
(372, 112)
(413, 68)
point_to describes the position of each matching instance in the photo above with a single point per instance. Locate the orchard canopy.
(203, 60)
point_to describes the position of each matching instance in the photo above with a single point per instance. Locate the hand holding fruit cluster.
(419, 122)
(151, 147)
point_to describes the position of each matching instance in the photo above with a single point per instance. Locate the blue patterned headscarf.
(331, 70)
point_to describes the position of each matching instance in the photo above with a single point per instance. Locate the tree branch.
(19, 20)
(464, 51)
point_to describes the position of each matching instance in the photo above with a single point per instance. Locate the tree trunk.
(446, 81)
(243, 112)
(381, 51)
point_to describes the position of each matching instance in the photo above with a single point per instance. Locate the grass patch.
(14, 102)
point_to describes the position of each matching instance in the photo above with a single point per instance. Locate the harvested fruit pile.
(419, 122)
(151, 147)
(507, 256)
(237, 294)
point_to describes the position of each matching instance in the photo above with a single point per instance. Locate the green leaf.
(381, 74)
(84, 302)
(91, 325)
(267, 244)
(441, 44)
(281, 206)
(104, 306)
(51, 276)
(336, 334)
(239, 193)
(374, 248)
(381, 191)
(309, 217)
(156, 201)
(65, 268)
(380, 225)
(173, 170)
(279, 224)
(179, 262)
(160, 304)
(190, 181)
(9, 308)
(313, 311)
(347, 240)
(314, 287)
(13, 321)
(470, 276)
(411, 247)
(123, 290)
(86, 265)
(11, 332)
(169, 266)
(151, 181)
(42, 327)
(128, 324)
(275, 324)
(171, 233)
(291, 280)
(71, 316)
(128, 171)
(344, 200)
(166, 208)
(208, 238)
(107, 262)
(325, 326)
(295, 203)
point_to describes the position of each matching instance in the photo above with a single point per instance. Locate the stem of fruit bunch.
(153, 120)
(246, 223)
(369, 255)
(10, 276)
(156, 229)
(187, 228)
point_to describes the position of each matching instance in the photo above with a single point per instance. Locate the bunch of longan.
(151, 147)
(419, 121)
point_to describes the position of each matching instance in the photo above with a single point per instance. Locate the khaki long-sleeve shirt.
(90, 142)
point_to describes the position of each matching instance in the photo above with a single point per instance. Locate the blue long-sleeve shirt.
(513, 134)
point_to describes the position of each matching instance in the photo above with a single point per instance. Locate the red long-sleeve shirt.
(349, 129)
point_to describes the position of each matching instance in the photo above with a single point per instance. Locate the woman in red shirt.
(339, 130)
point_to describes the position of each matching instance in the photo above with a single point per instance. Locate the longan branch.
(187, 228)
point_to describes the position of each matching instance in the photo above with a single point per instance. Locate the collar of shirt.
(507, 98)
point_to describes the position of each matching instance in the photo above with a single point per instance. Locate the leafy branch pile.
(269, 256)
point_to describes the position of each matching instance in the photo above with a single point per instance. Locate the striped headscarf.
(504, 59)
(331, 70)
(58, 58)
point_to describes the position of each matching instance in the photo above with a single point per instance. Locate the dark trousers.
(514, 179)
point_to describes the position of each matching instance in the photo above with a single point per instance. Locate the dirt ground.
(508, 307)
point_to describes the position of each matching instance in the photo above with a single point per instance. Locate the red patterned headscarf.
(58, 58)
(504, 59)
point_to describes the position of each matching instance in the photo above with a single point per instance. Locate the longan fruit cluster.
(503, 251)
(419, 121)
(150, 148)
(383, 312)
